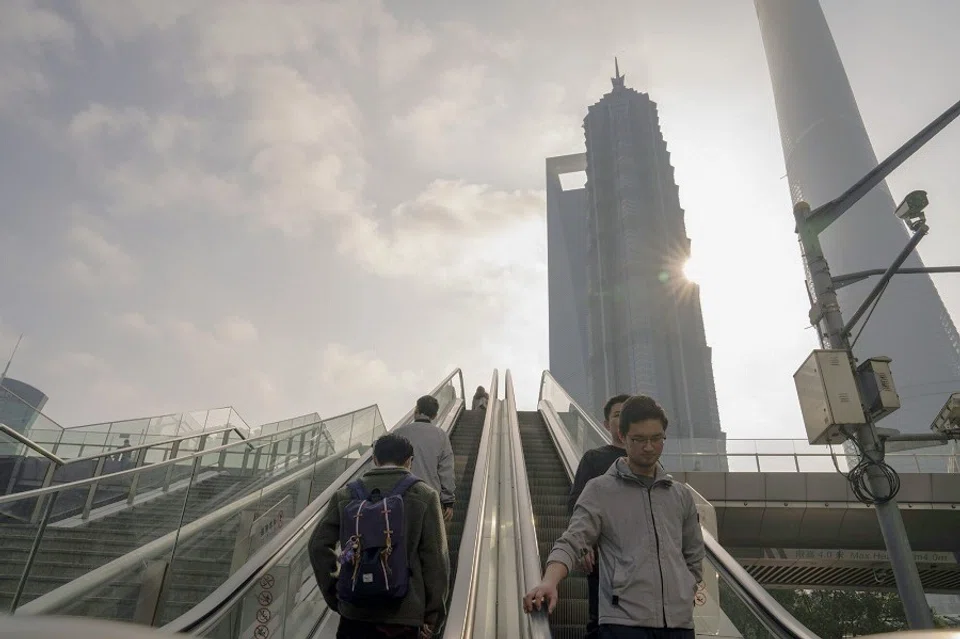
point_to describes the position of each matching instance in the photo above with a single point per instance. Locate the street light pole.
(826, 314)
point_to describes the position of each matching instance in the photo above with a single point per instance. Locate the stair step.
(549, 491)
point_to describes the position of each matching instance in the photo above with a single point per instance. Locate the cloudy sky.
(312, 206)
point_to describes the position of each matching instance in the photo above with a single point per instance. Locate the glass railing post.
(274, 452)
(223, 453)
(202, 443)
(47, 482)
(138, 462)
(174, 453)
(92, 491)
(353, 421)
(256, 460)
(22, 584)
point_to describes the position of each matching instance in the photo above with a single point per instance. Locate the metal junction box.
(828, 395)
(879, 394)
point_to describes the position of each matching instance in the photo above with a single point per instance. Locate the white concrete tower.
(827, 149)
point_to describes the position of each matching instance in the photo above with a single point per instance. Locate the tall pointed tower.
(827, 149)
(644, 325)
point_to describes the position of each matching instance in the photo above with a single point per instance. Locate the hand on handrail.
(534, 600)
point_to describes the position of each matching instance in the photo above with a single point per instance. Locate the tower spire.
(618, 79)
(6, 368)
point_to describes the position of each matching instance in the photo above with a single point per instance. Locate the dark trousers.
(593, 601)
(608, 631)
(354, 629)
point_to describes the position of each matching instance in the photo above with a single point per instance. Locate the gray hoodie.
(651, 549)
(432, 458)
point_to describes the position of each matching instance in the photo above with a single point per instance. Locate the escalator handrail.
(751, 593)
(587, 417)
(461, 612)
(535, 625)
(208, 611)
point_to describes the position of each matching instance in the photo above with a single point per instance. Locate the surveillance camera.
(948, 421)
(912, 207)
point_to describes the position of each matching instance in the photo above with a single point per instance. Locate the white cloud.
(137, 324)
(451, 232)
(361, 377)
(236, 330)
(97, 261)
(27, 32)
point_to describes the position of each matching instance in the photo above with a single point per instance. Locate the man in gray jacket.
(647, 530)
(432, 452)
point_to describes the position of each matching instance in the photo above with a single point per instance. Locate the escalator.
(549, 491)
(465, 440)
(211, 595)
(730, 604)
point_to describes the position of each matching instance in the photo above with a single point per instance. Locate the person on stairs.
(432, 452)
(480, 399)
(391, 576)
(646, 529)
(594, 463)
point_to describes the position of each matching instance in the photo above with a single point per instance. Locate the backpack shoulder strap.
(358, 490)
(404, 484)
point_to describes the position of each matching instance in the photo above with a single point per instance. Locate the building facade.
(567, 279)
(20, 404)
(639, 321)
(826, 149)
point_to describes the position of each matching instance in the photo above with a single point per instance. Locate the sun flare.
(692, 270)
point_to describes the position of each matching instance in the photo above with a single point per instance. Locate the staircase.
(549, 490)
(202, 563)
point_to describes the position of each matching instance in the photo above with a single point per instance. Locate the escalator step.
(549, 490)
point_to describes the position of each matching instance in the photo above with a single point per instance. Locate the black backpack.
(374, 566)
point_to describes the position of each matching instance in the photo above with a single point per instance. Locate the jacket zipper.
(656, 538)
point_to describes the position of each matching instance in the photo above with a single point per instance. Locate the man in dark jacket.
(594, 463)
(648, 533)
(424, 607)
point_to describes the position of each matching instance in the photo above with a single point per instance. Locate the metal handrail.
(752, 593)
(461, 614)
(39, 492)
(774, 616)
(72, 591)
(536, 625)
(32, 445)
(163, 442)
(205, 615)
(97, 576)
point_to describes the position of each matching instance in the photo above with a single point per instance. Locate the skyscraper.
(20, 405)
(617, 247)
(827, 149)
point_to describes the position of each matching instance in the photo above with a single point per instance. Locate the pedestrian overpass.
(795, 529)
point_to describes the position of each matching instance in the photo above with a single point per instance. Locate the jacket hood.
(621, 470)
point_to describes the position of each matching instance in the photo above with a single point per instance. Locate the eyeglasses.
(656, 440)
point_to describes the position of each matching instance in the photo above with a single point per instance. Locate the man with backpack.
(393, 564)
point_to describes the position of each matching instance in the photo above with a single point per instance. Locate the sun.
(692, 270)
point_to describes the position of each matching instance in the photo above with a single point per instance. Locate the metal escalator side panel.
(467, 610)
(525, 549)
(287, 555)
